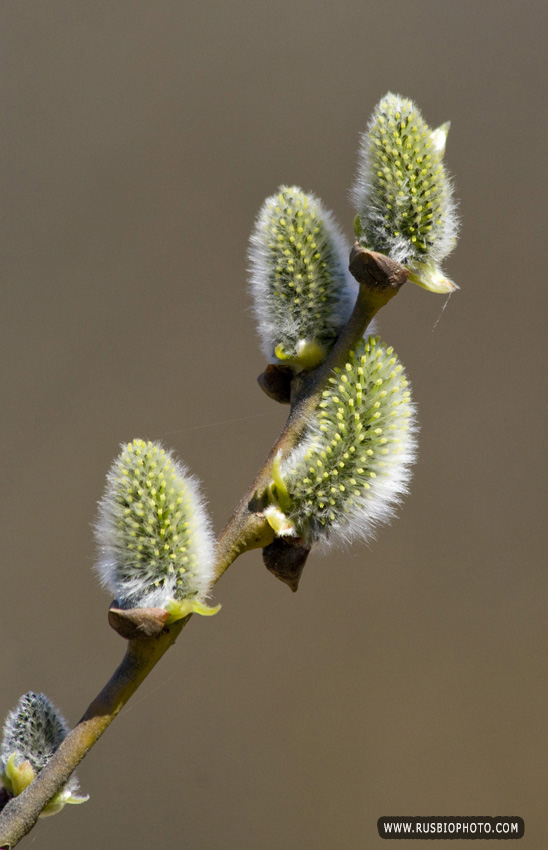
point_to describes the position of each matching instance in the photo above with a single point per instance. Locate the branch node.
(132, 623)
(376, 270)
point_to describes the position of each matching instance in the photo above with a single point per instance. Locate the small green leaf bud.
(302, 289)
(154, 535)
(32, 733)
(352, 464)
(402, 193)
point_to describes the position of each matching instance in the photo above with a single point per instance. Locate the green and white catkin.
(32, 733)
(352, 465)
(402, 193)
(302, 289)
(154, 535)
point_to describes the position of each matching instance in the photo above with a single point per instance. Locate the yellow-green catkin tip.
(32, 733)
(402, 193)
(352, 465)
(302, 290)
(154, 535)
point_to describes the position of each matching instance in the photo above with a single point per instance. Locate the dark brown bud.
(275, 381)
(285, 558)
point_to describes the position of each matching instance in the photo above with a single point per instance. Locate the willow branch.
(380, 278)
(149, 638)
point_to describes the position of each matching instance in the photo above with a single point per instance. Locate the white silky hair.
(276, 320)
(375, 474)
(372, 207)
(114, 561)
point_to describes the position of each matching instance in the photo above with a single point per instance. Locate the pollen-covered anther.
(155, 542)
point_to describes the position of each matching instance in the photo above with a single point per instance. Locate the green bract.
(352, 464)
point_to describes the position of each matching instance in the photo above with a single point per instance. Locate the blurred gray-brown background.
(409, 677)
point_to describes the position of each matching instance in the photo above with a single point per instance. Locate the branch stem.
(380, 279)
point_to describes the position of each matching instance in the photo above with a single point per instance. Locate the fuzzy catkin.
(33, 732)
(352, 465)
(402, 193)
(153, 531)
(303, 292)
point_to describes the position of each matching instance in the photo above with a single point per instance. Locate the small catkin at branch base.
(33, 732)
(22, 812)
